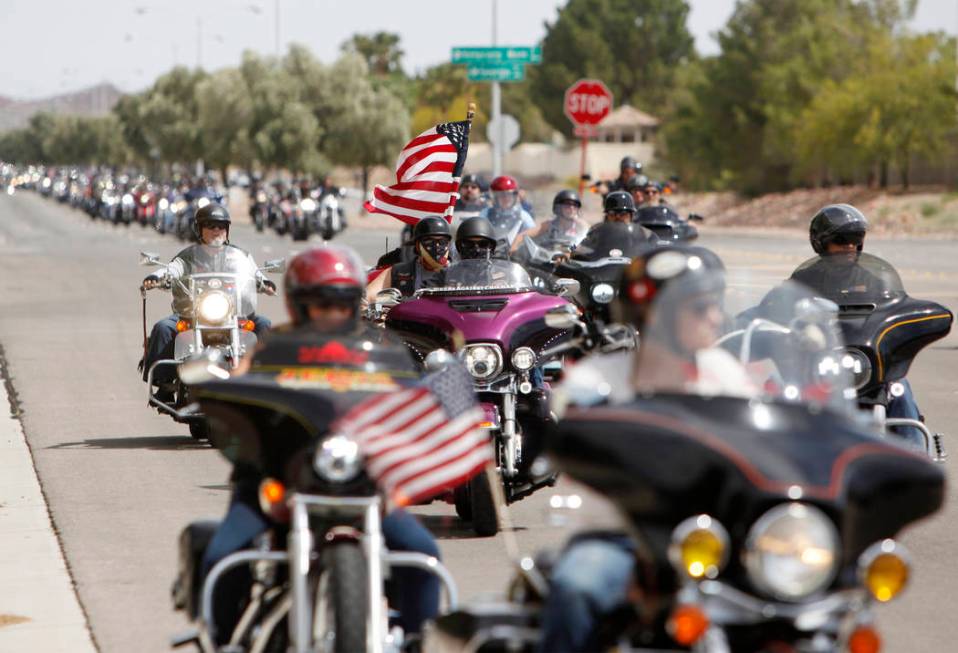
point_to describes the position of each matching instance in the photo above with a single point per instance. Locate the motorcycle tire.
(328, 234)
(200, 430)
(346, 587)
(485, 518)
(462, 499)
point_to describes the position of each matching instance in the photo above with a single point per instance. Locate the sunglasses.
(703, 305)
(853, 239)
(215, 226)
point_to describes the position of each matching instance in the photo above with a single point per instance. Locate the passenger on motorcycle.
(591, 579)
(323, 289)
(506, 215)
(565, 228)
(431, 239)
(652, 194)
(212, 228)
(837, 234)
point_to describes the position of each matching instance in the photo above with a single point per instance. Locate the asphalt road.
(121, 480)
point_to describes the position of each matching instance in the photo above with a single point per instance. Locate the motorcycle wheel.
(200, 430)
(485, 519)
(462, 499)
(341, 599)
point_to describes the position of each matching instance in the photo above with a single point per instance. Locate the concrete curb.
(39, 608)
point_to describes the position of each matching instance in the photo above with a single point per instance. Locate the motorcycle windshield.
(856, 278)
(792, 354)
(610, 240)
(473, 276)
(227, 269)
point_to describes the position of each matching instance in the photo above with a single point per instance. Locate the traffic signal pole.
(496, 101)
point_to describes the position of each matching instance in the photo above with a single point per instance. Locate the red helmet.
(504, 183)
(328, 273)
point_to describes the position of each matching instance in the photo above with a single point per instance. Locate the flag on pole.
(428, 171)
(421, 441)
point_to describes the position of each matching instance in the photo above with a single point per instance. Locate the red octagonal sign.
(587, 102)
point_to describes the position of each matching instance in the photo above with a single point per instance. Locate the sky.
(54, 46)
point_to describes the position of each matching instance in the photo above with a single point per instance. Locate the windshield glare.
(850, 278)
(486, 273)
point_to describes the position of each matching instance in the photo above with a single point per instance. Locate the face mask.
(434, 254)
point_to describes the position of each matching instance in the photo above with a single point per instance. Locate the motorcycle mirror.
(274, 265)
(388, 297)
(566, 287)
(695, 217)
(149, 258)
(437, 360)
(562, 317)
(207, 366)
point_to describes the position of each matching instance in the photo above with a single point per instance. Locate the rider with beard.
(211, 254)
(506, 214)
(565, 228)
(837, 234)
(431, 239)
(323, 288)
(592, 578)
(471, 199)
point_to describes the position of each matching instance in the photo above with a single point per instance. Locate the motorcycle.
(212, 310)
(763, 513)
(667, 224)
(318, 574)
(259, 209)
(493, 308)
(301, 217)
(884, 330)
(332, 218)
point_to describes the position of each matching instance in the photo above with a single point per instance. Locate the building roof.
(628, 116)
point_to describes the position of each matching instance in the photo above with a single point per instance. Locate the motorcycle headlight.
(308, 205)
(261, 197)
(337, 459)
(791, 551)
(483, 361)
(602, 293)
(128, 200)
(858, 365)
(214, 307)
(523, 359)
(164, 203)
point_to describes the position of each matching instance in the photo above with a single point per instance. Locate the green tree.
(224, 115)
(634, 46)
(381, 51)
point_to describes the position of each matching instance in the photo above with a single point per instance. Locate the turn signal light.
(247, 325)
(272, 499)
(864, 640)
(182, 325)
(687, 624)
(699, 547)
(884, 569)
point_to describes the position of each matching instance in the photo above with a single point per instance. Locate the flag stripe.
(420, 465)
(424, 442)
(448, 477)
(438, 186)
(426, 164)
(417, 160)
(409, 201)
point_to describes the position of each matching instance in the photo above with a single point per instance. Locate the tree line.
(802, 92)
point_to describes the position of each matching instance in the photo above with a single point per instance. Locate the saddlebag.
(193, 542)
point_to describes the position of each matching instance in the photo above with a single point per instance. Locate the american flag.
(427, 175)
(421, 441)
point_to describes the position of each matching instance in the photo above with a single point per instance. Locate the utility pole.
(199, 43)
(276, 21)
(496, 100)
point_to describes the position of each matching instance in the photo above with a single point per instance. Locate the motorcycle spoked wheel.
(341, 599)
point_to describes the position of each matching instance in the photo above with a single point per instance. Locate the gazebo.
(627, 125)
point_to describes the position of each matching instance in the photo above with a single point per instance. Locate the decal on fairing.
(335, 379)
(331, 352)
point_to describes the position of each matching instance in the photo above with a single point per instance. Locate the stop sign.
(587, 102)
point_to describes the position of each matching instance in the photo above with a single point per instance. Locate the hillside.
(94, 101)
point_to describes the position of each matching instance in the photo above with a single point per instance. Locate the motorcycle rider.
(591, 578)
(476, 239)
(212, 227)
(837, 234)
(431, 240)
(506, 214)
(323, 288)
(470, 195)
(620, 207)
(565, 226)
(628, 169)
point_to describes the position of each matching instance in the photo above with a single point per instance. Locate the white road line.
(39, 609)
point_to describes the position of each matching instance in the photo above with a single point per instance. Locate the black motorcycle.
(762, 512)
(667, 224)
(318, 574)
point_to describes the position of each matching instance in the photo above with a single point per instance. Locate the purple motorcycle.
(489, 312)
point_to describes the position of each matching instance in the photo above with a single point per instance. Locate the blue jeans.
(414, 593)
(162, 339)
(906, 407)
(590, 580)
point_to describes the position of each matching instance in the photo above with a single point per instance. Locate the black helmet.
(565, 196)
(432, 225)
(687, 271)
(638, 181)
(629, 162)
(211, 213)
(470, 179)
(477, 227)
(836, 220)
(619, 200)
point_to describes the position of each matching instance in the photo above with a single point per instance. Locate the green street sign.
(494, 55)
(507, 72)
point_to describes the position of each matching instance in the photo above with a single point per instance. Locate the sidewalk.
(39, 609)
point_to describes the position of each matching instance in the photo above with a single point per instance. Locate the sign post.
(586, 103)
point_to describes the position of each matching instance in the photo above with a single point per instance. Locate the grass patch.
(930, 209)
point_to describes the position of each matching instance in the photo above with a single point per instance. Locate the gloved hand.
(152, 281)
(269, 287)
